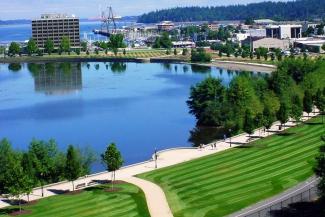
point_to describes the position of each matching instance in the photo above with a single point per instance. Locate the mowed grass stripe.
(246, 165)
(225, 182)
(128, 202)
(228, 156)
(255, 169)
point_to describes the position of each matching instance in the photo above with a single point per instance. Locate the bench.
(81, 186)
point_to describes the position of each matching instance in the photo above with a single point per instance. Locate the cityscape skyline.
(16, 9)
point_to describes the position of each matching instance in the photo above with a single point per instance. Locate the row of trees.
(32, 48)
(291, 10)
(43, 163)
(254, 101)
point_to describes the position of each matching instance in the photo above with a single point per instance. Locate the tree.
(320, 102)
(249, 122)
(43, 155)
(6, 156)
(209, 90)
(14, 49)
(296, 108)
(283, 113)
(112, 159)
(73, 167)
(31, 47)
(268, 118)
(200, 55)
(17, 182)
(116, 42)
(308, 102)
(84, 46)
(49, 46)
(65, 44)
(163, 41)
(184, 52)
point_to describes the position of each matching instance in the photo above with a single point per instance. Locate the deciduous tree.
(113, 160)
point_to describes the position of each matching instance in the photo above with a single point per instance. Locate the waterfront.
(139, 106)
(23, 32)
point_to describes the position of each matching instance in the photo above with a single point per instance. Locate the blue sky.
(16, 9)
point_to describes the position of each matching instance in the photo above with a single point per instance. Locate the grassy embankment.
(134, 54)
(94, 201)
(226, 182)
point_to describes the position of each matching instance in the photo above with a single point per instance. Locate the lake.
(138, 106)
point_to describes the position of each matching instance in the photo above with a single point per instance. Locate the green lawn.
(226, 182)
(129, 202)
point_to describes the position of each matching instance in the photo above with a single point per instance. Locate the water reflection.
(51, 78)
(205, 135)
(200, 68)
(14, 67)
(118, 67)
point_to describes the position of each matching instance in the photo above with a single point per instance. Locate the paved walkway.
(156, 199)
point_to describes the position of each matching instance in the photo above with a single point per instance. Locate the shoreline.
(166, 158)
(230, 65)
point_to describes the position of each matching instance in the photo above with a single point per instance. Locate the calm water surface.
(139, 106)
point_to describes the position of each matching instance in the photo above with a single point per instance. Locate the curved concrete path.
(156, 199)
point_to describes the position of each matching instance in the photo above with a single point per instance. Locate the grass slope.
(226, 182)
(129, 202)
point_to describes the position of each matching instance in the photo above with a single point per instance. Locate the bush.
(200, 55)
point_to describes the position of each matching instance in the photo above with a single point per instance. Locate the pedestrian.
(224, 137)
(215, 145)
(212, 146)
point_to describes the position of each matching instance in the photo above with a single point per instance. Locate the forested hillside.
(292, 10)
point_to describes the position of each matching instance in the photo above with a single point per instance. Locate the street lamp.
(230, 136)
(156, 156)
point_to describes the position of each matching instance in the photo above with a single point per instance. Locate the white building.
(284, 31)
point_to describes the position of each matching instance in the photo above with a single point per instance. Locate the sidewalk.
(154, 195)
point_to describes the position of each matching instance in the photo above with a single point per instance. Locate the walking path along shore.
(156, 199)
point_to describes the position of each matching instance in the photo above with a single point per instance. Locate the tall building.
(54, 27)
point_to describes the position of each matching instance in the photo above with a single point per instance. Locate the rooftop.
(56, 16)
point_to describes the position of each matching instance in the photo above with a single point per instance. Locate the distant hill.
(292, 10)
(12, 22)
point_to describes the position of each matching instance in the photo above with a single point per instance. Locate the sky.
(29, 9)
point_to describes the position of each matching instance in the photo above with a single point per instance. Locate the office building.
(284, 31)
(54, 27)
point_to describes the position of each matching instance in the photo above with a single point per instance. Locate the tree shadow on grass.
(285, 134)
(57, 191)
(314, 124)
(7, 211)
(301, 209)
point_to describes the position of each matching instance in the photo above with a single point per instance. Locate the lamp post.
(156, 156)
(230, 136)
